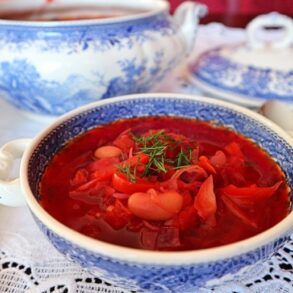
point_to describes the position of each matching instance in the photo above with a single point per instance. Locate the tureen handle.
(273, 19)
(187, 16)
(10, 190)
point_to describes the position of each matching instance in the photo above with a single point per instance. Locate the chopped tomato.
(103, 169)
(122, 184)
(205, 163)
(105, 173)
(252, 192)
(205, 200)
(124, 141)
(140, 158)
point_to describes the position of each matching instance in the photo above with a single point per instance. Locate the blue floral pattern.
(22, 85)
(159, 278)
(221, 73)
(100, 36)
(40, 70)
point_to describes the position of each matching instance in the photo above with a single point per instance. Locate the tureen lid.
(250, 73)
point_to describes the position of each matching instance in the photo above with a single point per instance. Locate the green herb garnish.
(129, 171)
(126, 169)
(155, 146)
(183, 158)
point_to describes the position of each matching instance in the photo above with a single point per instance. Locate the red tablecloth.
(239, 12)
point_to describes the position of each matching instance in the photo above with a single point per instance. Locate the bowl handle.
(187, 17)
(10, 190)
(273, 19)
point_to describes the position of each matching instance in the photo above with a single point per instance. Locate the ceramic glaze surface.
(147, 277)
(158, 279)
(258, 83)
(49, 68)
(252, 72)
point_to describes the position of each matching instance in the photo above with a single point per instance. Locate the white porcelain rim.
(234, 97)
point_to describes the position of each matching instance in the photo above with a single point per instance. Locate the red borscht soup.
(164, 183)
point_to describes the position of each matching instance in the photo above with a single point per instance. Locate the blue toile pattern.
(51, 69)
(159, 278)
(23, 86)
(260, 83)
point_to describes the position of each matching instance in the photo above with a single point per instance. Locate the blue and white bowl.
(150, 271)
(254, 72)
(49, 67)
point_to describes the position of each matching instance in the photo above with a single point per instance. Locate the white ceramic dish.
(253, 72)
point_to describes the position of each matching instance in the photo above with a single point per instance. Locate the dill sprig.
(155, 146)
(183, 158)
(129, 170)
(126, 169)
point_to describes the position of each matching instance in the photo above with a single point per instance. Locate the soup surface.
(45, 13)
(164, 183)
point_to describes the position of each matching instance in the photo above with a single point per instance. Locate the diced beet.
(168, 237)
(91, 230)
(187, 218)
(148, 238)
(98, 193)
(80, 177)
(117, 216)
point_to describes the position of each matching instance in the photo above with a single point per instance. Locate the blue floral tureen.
(254, 72)
(49, 67)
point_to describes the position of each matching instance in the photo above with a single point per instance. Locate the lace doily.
(29, 263)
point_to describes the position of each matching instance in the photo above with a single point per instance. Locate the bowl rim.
(138, 256)
(153, 7)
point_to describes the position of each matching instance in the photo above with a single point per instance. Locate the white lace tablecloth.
(28, 263)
